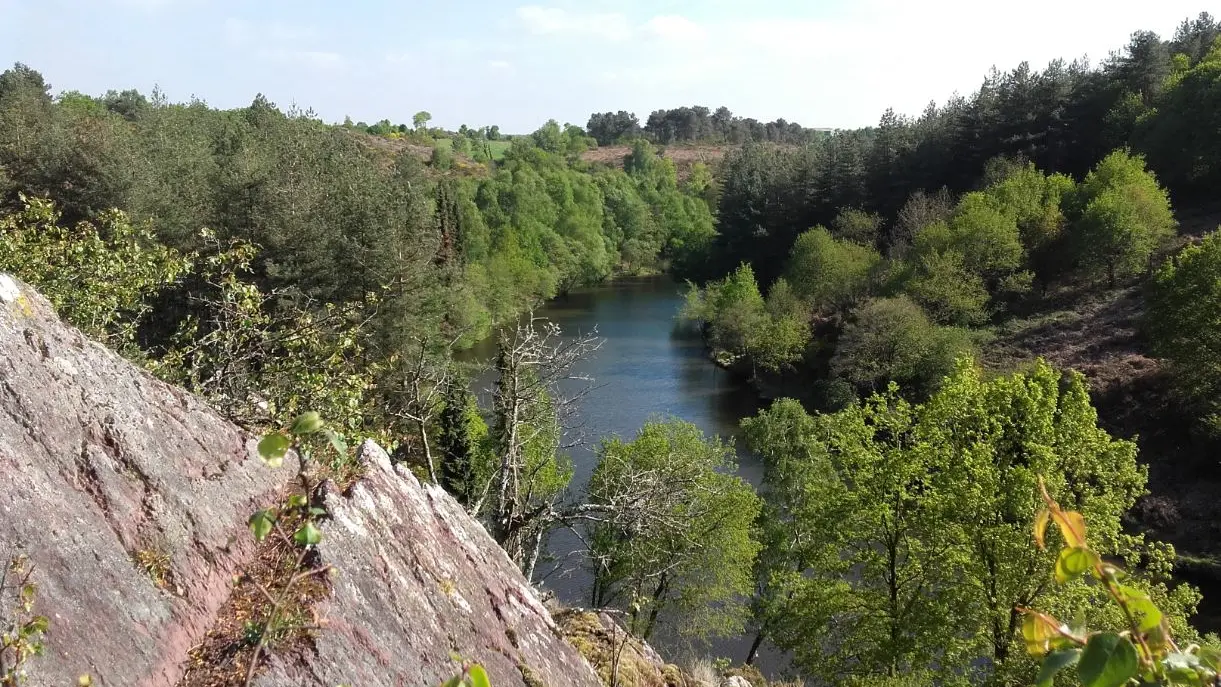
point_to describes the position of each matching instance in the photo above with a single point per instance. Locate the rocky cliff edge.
(131, 498)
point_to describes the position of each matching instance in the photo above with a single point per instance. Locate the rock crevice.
(419, 579)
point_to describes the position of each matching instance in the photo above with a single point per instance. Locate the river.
(646, 368)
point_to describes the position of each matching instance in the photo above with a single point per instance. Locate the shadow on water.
(646, 368)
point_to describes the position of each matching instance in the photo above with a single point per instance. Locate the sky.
(837, 63)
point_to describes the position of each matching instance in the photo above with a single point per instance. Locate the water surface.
(646, 368)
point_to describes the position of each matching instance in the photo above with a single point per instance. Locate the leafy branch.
(1142, 653)
(301, 510)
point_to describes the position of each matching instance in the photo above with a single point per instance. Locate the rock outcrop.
(131, 498)
(418, 578)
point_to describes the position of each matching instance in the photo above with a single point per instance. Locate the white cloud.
(501, 65)
(317, 59)
(291, 34)
(238, 31)
(672, 27)
(282, 43)
(145, 4)
(556, 21)
(241, 31)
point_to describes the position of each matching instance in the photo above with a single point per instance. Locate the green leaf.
(1054, 663)
(273, 448)
(316, 511)
(1181, 661)
(1147, 614)
(308, 535)
(260, 524)
(1039, 629)
(1040, 526)
(1072, 527)
(1210, 657)
(306, 423)
(1182, 668)
(37, 625)
(297, 501)
(337, 442)
(455, 681)
(1072, 562)
(1108, 661)
(479, 678)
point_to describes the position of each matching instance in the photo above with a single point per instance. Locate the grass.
(497, 148)
(156, 564)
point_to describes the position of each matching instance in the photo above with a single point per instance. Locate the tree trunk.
(658, 596)
(432, 468)
(753, 652)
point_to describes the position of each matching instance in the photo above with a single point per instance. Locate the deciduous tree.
(680, 538)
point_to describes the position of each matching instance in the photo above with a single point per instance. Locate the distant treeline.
(696, 124)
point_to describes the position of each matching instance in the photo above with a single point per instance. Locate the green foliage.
(1183, 321)
(102, 277)
(467, 460)
(257, 355)
(442, 156)
(545, 218)
(1120, 216)
(855, 225)
(1035, 201)
(915, 554)
(830, 273)
(472, 675)
(942, 283)
(781, 340)
(270, 178)
(771, 334)
(531, 475)
(984, 233)
(680, 540)
(891, 339)
(1180, 133)
(731, 309)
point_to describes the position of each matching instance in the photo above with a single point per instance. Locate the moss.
(609, 652)
(673, 676)
(529, 677)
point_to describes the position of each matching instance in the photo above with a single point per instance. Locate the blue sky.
(517, 63)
